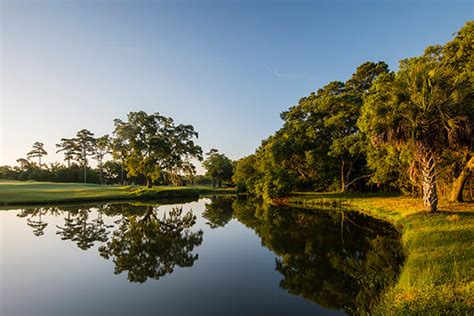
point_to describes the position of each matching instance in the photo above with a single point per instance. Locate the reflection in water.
(141, 243)
(339, 260)
(219, 211)
(84, 232)
(150, 247)
(38, 225)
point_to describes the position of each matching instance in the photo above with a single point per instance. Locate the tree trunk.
(149, 183)
(85, 173)
(214, 183)
(343, 177)
(121, 174)
(428, 178)
(101, 176)
(460, 181)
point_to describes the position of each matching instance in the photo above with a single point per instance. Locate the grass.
(438, 275)
(31, 192)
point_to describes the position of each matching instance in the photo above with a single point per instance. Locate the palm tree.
(428, 109)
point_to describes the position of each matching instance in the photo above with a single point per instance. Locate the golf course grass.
(31, 192)
(438, 274)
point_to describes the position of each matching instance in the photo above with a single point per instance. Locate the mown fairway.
(14, 192)
(31, 192)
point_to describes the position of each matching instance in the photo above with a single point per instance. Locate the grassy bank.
(31, 192)
(438, 274)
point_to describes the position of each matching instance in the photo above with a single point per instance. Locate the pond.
(213, 256)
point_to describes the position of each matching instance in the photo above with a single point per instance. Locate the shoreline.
(437, 275)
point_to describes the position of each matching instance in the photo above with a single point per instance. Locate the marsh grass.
(438, 275)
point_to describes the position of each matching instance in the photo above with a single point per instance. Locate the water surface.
(214, 256)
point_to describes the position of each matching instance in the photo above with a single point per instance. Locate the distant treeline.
(111, 173)
(407, 131)
(146, 149)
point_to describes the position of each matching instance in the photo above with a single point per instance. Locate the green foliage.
(69, 148)
(424, 109)
(84, 142)
(152, 144)
(38, 151)
(319, 145)
(218, 166)
(245, 175)
(379, 130)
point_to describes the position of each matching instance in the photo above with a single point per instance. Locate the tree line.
(144, 149)
(409, 131)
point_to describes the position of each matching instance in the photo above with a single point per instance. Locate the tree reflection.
(335, 259)
(219, 212)
(150, 247)
(142, 243)
(79, 228)
(38, 225)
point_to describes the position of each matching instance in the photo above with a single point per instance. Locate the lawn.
(438, 275)
(31, 192)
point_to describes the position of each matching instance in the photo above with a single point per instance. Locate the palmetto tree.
(428, 109)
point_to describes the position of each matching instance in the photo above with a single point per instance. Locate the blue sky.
(227, 67)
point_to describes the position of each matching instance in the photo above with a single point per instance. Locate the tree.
(456, 57)
(38, 151)
(85, 144)
(69, 147)
(119, 153)
(423, 108)
(113, 171)
(320, 146)
(245, 175)
(24, 163)
(151, 144)
(218, 167)
(102, 148)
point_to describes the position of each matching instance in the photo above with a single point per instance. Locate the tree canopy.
(218, 167)
(153, 144)
(379, 130)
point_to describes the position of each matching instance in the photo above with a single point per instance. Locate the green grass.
(31, 192)
(438, 275)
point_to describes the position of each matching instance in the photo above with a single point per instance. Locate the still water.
(214, 256)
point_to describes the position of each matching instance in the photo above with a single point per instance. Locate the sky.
(226, 67)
